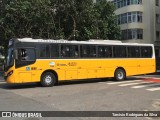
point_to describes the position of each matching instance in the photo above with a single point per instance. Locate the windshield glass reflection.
(9, 58)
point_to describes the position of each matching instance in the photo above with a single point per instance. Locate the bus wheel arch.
(52, 77)
(120, 74)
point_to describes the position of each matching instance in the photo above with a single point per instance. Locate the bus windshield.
(9, 61)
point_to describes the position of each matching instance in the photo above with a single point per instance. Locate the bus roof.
(92, 41)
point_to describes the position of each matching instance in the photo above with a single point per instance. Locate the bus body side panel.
(11, 78)
(146, 66)
(83, 69)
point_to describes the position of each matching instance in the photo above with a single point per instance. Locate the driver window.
(26, 54)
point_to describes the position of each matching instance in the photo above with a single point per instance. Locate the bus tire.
(119, 74)
(48, 79)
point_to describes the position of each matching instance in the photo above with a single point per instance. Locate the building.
(139, 21)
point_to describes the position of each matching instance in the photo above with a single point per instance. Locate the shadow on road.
(18, 86)
(87, 81)
(61, 83)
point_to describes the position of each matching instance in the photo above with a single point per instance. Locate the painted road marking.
(142, 86)
(146, 77)
(132, 84)
(138, 84)
(153, 89)
(112, 83)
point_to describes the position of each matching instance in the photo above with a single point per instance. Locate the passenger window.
(105, 51)
(119, 51)
(55, 51)
(88, 51)
(75, 51)
(133, 52)
(108, 51)
(146, 52)
(69, 51)
(84, 51)
(45, 51)
(101, 51)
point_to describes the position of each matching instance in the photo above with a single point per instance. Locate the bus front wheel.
(48, 79)
(119, 74)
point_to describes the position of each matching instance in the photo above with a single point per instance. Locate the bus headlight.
(10, 73)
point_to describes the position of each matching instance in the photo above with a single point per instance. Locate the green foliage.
(105, 21)
(28, 18)
(57, 19)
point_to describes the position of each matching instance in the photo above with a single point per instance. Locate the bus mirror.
(16, 54)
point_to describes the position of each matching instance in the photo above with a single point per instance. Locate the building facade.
(139, 21)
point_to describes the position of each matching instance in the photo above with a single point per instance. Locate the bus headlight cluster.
(10, 73)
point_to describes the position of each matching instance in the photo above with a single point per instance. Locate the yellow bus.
(50, 61)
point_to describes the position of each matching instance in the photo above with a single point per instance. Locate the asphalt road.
(135, 94)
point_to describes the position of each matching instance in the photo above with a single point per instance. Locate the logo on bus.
(28, 68)
(52, 63)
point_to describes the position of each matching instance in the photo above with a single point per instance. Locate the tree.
(73, 17)
(105, 24)
(58, 19)
(28, 18)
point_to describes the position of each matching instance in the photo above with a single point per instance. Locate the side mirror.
(16, 54)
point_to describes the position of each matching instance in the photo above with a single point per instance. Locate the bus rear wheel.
(119, 74)
(48, 79)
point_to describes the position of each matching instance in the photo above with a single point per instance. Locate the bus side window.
(26, 54)
(84, 51)
(45, 51)
(105, 51)
(119, 52)
(146, 52)
(100, 51)
(75, 52)
(92, 51)
(88, 51)
(22, 54)
(108, 51)
(55, 51)
(129, 52)
(137, 51)
(133, 52)
(65, 51)
(70, 51)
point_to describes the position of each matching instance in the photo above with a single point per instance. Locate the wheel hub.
(120, 75)
(48, 79)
